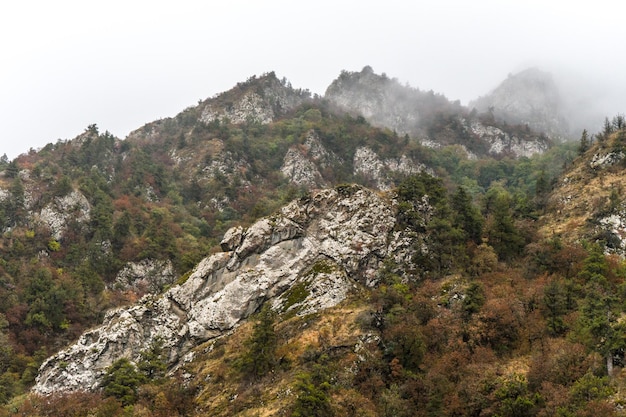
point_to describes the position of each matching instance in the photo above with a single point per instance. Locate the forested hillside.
(500, 290)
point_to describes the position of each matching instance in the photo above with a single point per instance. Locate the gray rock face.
(603, 160)
(232, 238)
(317, 153)
(224, 164)
(258, 100)
(368, 164)
(326, 243)
(150, 275)
(614, 225)
(302, 163)
(251, 107)
(56, 214)
(384, 102)
(501, 142)
(300, 170)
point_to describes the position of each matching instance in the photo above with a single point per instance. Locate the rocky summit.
(328, 243)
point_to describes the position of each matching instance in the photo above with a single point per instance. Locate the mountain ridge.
(444, 258)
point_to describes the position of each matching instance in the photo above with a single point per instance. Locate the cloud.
(120, 64)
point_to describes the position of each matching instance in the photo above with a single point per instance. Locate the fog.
(119, 64)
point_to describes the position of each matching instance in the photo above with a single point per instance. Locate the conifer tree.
(501, 231)
(259, 357)
(152, 363)
(467, 216)
(122, 381)
(585, 142)
(598, 325)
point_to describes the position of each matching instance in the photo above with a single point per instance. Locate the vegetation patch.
(295, 295)
(321, 267)
(347, 190)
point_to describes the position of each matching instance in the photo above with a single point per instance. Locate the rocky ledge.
(326, 244)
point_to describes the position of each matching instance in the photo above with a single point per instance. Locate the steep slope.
(530, 98)
(588, 200)
(430, 117)
(325, 244)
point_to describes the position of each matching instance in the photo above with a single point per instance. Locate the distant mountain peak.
(384, 102)
(429, 117)
(258, 99)
(530, 97)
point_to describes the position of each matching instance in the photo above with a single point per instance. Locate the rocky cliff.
(324, 244)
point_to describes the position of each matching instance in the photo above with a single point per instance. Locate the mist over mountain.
(384, 102)
(376, 251)
(530, 97)
(431, 118)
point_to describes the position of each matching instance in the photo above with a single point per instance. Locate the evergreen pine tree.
(585, 142)
(467, 216)
(259, 357)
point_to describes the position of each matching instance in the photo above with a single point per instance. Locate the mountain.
(384, 102)
(530, 97)
(266, 252)
(431, 118)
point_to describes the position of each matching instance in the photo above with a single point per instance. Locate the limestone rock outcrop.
(324, 244)
(368, 164)
(56, 215)
(500, 142)
(147, 275)
(258, 100)
(302, 163)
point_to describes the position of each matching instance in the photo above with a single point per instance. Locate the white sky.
(121, 63)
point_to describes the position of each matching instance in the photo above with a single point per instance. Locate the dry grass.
(581, 194)
(223, 392)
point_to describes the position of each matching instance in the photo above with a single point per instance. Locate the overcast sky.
(122, 63)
